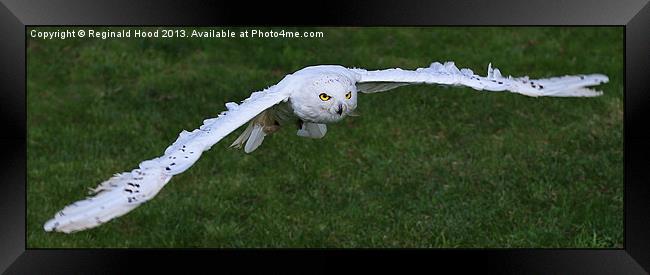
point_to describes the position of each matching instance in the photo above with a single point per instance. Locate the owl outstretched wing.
(449, 74)
(126, 191)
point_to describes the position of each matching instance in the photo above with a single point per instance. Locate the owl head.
(325, 98)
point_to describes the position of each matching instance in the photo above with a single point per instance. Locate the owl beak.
(339, 110)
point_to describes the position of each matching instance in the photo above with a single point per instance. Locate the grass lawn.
(423, 166)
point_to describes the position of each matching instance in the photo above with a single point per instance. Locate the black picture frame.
(15, 15)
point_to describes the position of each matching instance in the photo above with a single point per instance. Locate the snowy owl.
(307, 99)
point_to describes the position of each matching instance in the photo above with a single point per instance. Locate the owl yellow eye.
(348, 95)
(324, 97)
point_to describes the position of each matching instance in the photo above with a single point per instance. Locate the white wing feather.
(449, 74)
(126, 191)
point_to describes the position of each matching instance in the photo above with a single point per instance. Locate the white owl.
(307, 99)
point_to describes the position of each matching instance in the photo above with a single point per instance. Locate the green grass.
(423, 166)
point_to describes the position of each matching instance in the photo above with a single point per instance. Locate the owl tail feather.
(251, 138)
(257, 129)
(241, 140)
